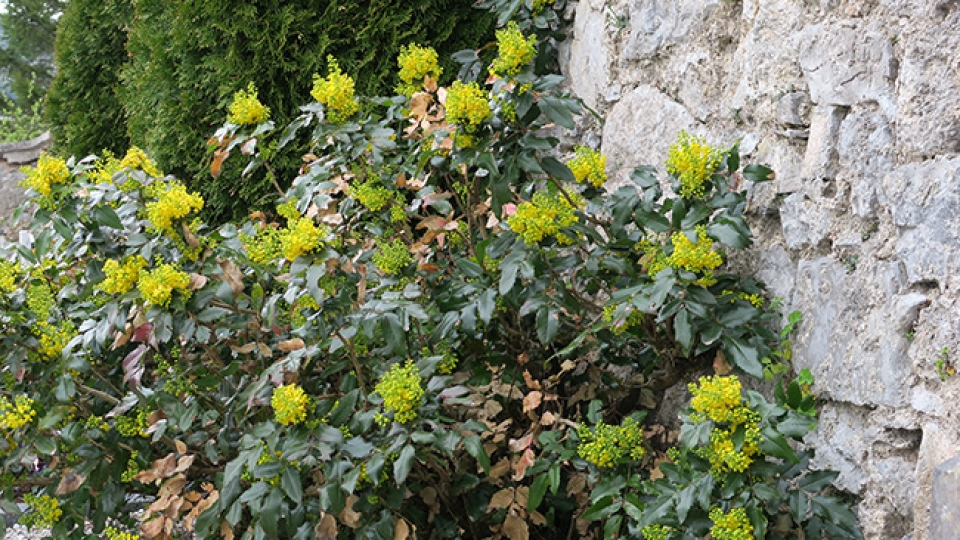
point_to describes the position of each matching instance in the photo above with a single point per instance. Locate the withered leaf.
(401, 531)
(501, 499)
(70, 483)
(532, 401)
(348, 516)
(291, 345)
(326, 529)
(515, 528)
(232, 275)
(526, 460)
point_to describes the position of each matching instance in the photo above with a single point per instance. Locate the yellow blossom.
(172, 203)
(134, 425)
(734, 525)
(17, 414)
(106, 167)
(48, 172)
(723, 454)
(692, 161)
(719, 398)
(9, 273)
(113, 533)
(543, 216)
(246, 108)
(467, 105)
(157, 285)
(301, 237)
(401, 390)
(289, 404)
(53, 339)
(371, 195)
(515, 51)
(415, 63)
(606, 445)
(136, 158)
(44, 511)
(692, 257)
(392, 257)
(265, 246)
(336, 92)
(122, 278)
(589, 166)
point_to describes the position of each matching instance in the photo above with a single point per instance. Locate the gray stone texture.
(945, 506)
(13, 156)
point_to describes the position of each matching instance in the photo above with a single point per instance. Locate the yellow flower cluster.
(138, 159)
(246, 108)
(157, 285)
(106, 167)
(589, 165)
(336, 92)
(392, 257)
(655, 532)
(263, 247)
(401, 390)
(17, 414)
(44, 511)
(720, 400)
(53, 339)
(48, 172)
(606, 446)
(543, 216)
(289, 404)
(515, 51)
(734, 525)
(301, 237)
(297, 318)
(692, 161)
(373, 196)
(415, 63)
(699, 257)
(40, 300)
(132, 470)
(9, 273)
(122, 277)
(538, 5)
(114, 533)
(133, 426)
(173, 203)
(467, 105)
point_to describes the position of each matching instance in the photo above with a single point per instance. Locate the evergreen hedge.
(83, 105)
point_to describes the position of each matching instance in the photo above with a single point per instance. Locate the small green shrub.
(442, 331)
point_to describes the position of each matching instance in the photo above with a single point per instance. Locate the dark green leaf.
(486, 305)
(291, 484)
(758, 173)
(556, 110)
(105, 216)
(557, 170)
(537, 490)
(602, 509)
(728, 233)
(548, 322)
(475, 448)
(774, 444)
(744, 356)
(683, 331)
(403, 464)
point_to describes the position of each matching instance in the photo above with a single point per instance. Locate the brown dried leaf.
(219, 156)
(576, 484)
(537, 518)
(232, 275)
(502, 499)
(173, 486)
(515, 528)
(526, 460)
(264, 350)
(521, 444)
(532, 401)
(184, 463)
(528, 379)
(501, 468)
(181, 447)
(720, 365)
(226, 531)
(152, 528)
(326, 529)
(290, 345)
(246, 349)
(348, 516)
(401, 531)
(548, 419)
(70, 483)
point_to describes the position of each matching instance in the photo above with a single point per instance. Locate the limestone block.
(852, 337)
(944, 510)
(656, 24)
(821, 158)
(804, 221)
(923, 199)
(589, 53)
(865, 151)
(937, 505)
(778, 272)
(639, 131)
(785, 161)
(793, 109)
(847, 62)
(928, 119)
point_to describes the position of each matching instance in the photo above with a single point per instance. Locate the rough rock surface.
(13, 156)
(856, 106)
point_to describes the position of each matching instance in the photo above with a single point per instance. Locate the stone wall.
(856, 106)
(13, 156)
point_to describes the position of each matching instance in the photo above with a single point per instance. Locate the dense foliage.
(159, 73)
(443, 331)
(27, 30)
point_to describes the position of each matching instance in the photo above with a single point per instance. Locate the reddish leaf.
(133, 367)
